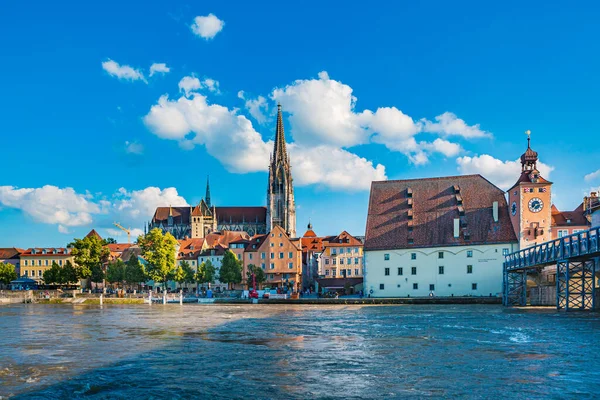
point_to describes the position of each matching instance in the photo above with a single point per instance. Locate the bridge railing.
(576, 244)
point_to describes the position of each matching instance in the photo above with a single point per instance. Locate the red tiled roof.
(526, 178)
(246, 214)
(224, 238)
(94, 233)
(577, 217)
(434, 208)
(194, 244)
(256, 241)
(309, 233)
(8, 253)
(341, 240)
(118, 247)
(39, 251)
(181, 215)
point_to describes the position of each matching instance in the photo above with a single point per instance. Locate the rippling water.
(297, 352)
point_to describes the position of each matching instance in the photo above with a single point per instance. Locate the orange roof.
(94, 233)
(46, 251)
(194, 244)
(569, 218)
(118, 247)
(224, 238)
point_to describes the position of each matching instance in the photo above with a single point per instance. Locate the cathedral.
(204, 218)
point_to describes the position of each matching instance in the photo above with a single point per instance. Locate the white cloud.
(159, 68)
(188, 84)
(256, 107)
(208, 26)
(67, 209)
(50, 204)
(134, 148)
(449, 124)
(333, 167)
(192, 121)
(503, 174)
(191, 84)
(323, 111)
(592, 176)
(123, 71)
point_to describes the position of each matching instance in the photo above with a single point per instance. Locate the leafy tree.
(159, 252)
(7, 273)
(115, 272)
(206, 273)
(53, 275)
(97, 275)
(259, 275)
(188, 273)
(177, 275)
(231, 269)
(109, 240)
(88, 252)
(134, 271)
(68, 274)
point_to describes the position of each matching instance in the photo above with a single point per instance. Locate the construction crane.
(128, 231)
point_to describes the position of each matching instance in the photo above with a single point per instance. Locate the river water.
(296, 352)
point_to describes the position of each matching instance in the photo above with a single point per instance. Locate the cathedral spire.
(207, 192)
(279, 150)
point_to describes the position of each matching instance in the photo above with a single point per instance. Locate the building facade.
(440, 236)
(12, 255)
(35, 261)
(342, 257)
(281, 206)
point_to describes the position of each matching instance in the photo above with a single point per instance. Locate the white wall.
(487, 270)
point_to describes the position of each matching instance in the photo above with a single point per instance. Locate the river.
(296, 352)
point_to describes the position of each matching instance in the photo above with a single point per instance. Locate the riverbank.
(306, 301)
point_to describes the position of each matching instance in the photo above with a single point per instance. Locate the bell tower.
(530, 202)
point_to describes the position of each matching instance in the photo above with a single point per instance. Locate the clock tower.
(529, 202)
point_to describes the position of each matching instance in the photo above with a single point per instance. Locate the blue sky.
(369, 91)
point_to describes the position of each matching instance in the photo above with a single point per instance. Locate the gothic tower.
(530, 202)
(281, 207)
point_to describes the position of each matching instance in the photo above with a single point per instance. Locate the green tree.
(109, 240)
(115, 272)
(88, 252)
(206, 273)
(231, 269)
(68, 274)
(7, 273)
(97, 274)
(159, 252)
(134, 271)
(259, 275)
(52, 276)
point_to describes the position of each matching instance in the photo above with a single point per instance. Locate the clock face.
(513, 208)
(536, 205)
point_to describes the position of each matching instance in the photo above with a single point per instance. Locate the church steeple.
(279, 150)
(530, 157)
(281, 207)
(208, 192)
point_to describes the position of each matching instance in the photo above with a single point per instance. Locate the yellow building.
(35, 261)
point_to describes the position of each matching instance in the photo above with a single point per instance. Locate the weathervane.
(528, 133)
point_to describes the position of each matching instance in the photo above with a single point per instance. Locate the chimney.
(495, 211)
(456, 227)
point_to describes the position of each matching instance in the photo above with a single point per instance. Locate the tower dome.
(530, 157)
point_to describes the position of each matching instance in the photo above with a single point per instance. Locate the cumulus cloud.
(324, 111)
(159, 68)
(257, 107)
(123, 71)
(333, 167)
(193, 121)
(207, 26)
(503, 174)
(50, 204)
(134, 148)
(592, 176)
(190, 84)
(66, 208)
(449, 124)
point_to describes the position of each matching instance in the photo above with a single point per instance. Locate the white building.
(445, 236)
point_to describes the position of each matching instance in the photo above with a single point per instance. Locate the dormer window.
(568, 221)
(409, 192)
(44, 251)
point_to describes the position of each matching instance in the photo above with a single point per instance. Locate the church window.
(280, 255)
(262, 255)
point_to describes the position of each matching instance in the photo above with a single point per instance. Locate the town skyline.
(131, 125)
